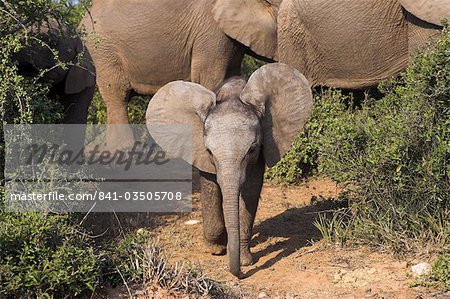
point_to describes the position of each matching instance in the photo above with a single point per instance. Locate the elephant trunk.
(231, 216)
(230, 186)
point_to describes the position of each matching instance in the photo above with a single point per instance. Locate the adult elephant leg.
(248, 204)
(215, 59)
(115, 91)
(212, 213)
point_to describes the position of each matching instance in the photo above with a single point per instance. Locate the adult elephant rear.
(139, 46)
(342, 43)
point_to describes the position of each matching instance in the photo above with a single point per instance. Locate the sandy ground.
(291, 260)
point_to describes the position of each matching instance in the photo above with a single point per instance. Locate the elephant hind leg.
(213, 222)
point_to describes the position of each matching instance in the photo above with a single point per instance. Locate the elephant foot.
(216, 249)
(246, 257)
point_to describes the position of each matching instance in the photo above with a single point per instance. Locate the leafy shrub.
(393, 154)
(330, 107)
(249, 65)
(137, 109)
(23, 99)
(439, 276)
(119, 265)
(41, 255)
(44, 256)
(97, 110)
(396, 154)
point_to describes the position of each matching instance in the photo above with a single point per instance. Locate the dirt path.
(292, 262)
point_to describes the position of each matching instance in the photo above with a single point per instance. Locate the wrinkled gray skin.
(341, 43)
(240, 168)
(236, 132)
(138, 46)
(73, 87)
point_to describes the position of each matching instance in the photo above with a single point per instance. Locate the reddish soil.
(291, 260)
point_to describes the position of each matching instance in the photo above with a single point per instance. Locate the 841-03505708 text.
(99, 195)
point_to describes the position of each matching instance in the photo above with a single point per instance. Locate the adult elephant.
(72, 86)
(139, 46)
(341, 43)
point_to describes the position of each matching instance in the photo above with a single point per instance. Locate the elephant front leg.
(248, 204)
(115, 91)
(213, 222)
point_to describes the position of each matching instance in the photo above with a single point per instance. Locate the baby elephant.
(237, 130)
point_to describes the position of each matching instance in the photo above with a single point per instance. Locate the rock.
(301, 267)
(192, 222)
(262, 295)
(421, 269)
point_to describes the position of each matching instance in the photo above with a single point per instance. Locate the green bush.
(23, 99)
(41, 255)
(301, 161)
(44, 256)
(393, 155)
(119, 265)
(97, 110)
(249, 65)
(439, 276)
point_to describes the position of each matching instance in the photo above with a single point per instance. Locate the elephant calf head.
(238, 124)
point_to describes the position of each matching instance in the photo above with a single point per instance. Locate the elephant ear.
(182, 103)
(431, 11)
(251, 22)
(82, 74)
(283, 97)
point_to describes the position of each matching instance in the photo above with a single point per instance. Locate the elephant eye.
(252, 148)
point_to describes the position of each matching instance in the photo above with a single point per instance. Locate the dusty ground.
(291, 261)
